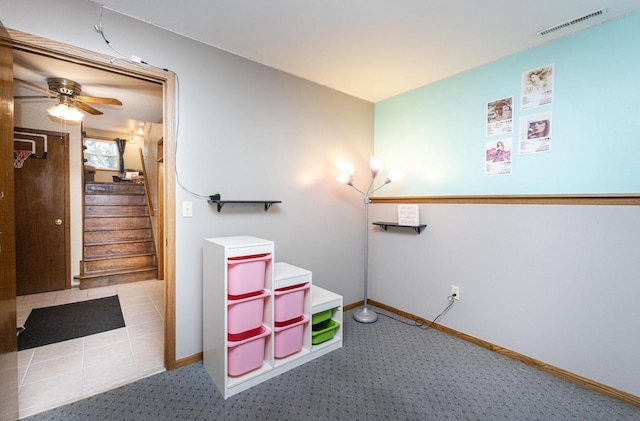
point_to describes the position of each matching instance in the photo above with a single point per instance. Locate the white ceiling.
(371, 49)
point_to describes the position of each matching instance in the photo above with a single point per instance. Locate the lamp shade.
(65, 112)
(375, 165)
(347, 167)
(344, 178)
(395, 175)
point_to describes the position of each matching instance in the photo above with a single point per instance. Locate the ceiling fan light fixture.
(65, 112)
(64, 86)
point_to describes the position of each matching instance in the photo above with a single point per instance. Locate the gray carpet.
(386, 371)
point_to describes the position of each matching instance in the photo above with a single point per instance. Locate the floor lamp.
(365, 314)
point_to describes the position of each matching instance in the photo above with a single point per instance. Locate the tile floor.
(57, 374)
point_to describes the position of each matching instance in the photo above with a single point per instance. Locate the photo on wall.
(498, 157)
(535, 134)
(537, 87)
(500, 116)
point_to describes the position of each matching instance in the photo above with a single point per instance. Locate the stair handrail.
(146, 183)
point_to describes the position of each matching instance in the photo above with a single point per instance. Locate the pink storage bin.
(289, 302)
(289, 337)
(246, 274)
(246, 355)
(246, 313)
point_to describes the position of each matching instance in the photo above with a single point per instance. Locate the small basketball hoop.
(19, 157)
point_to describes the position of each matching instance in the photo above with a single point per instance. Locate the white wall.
(247, 132)
(555, 283)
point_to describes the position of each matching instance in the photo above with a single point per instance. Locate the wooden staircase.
(118, 245)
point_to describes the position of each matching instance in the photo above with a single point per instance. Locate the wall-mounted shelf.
(220, 203)
(385, 225)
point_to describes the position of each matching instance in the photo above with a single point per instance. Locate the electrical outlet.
(455, 290)
(187, 209)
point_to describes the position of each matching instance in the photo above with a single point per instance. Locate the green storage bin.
(323, 331)
(321, 317)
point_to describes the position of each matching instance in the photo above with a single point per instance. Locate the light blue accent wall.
(437, 133)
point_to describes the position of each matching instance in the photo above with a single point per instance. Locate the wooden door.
(42, 221)
(8, 342)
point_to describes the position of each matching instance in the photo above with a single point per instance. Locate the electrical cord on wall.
(185, 188)
(99, 28)
(417, 322)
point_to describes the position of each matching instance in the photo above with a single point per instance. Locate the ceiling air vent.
(572, 22)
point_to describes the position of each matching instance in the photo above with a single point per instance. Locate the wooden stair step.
(111, 188)
(116, 262)
(114, 199)
(120, 248)
(108, 235)
(106, 222)
(116, 217)
(102, 211)
(116, 241)
(118, 256)
(114, 272)
(116, 277)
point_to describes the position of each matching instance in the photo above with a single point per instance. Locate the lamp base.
(365, 315)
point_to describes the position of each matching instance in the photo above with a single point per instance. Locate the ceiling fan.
(68, 93)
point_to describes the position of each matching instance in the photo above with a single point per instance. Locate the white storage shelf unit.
(323, 300)
(216, 252)
(286, 275)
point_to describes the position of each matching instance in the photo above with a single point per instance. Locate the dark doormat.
(48, 325)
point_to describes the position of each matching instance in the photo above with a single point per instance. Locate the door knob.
(58, 221)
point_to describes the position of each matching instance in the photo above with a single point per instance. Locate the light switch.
(187, 209)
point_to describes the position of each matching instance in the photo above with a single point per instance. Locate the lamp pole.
(365, 314)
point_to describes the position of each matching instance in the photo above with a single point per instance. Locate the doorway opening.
(63, 53)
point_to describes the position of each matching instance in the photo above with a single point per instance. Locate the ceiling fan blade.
(87, 108)
(98, 100)
(38, 87)
(33, 96)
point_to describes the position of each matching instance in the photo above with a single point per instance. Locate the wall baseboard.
(558, 372)
(353, 305)
(189, 360)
